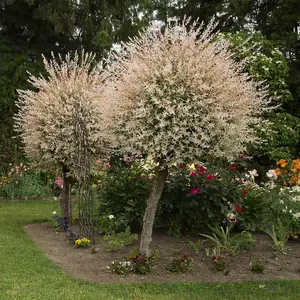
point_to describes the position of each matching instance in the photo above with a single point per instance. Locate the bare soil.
(81, 263)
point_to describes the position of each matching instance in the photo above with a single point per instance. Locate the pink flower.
(99, 186)
(193, 174)
(59, 182)
(194, 191)
(98, 162)
(106, 165)
(210, 176)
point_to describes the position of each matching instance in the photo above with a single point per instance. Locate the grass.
(26, 273)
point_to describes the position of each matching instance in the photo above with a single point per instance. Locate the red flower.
(245, 192)
(193, 174)
(214, 258)
(232, 168)
(242, 156)
(143, 177)
(202, 170)
(210, 176)
(238, 208)
(194, 191)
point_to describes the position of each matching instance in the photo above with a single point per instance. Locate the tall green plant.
(230, 243)
(279, 234)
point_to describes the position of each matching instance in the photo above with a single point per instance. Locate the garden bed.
(81, 263)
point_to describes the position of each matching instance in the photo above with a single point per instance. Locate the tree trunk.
(148, 220)
(66, 201)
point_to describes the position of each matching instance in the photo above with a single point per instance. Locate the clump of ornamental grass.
(179, 95)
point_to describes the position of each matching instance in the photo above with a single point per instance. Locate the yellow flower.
(192, 167)
(78, 242)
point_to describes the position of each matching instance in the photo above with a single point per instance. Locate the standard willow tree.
(60, 120)
(178, 95)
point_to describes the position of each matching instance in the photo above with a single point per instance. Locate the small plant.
(117, 241)
(220, 262)
(226, 242)
(195, 246)
(257, 268)
(121, 267)
(82, 243)
(60, 223)
(279, 235)
(155, 255)
(181, 264)
(108, 225)
(141, 264)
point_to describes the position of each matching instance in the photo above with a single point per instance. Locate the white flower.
(296, 188)
(54, 212)
(297, 215)
(252, 174)
(272, 174)
(111, 217)
(230, 216)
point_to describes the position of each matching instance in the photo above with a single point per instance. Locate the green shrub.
(124, 190)
(22, 182)
(117, 241)
(198, 195)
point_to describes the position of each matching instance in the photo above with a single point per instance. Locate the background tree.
(60, 121)
(178, 96)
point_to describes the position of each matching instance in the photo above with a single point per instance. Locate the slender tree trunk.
(148, 220)
(66, 201)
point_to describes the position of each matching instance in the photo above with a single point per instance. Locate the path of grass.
(26, 273)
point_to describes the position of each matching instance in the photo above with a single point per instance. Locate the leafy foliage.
(230, 243)
(123, 192)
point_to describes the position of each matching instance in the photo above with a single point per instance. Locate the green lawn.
(26, 272)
